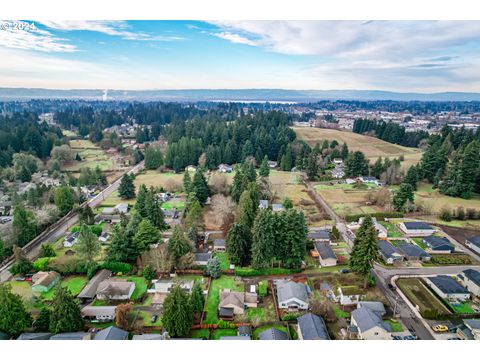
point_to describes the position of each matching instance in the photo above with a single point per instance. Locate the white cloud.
(112, 28)
(32, 39)
(235, 38)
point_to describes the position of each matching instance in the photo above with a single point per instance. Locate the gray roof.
(448, 285)
(313, 327)
(235, 338)
(473, 324)
(111, 333)
(319, 234)
(219, 242)
(203, 256)
(412, 250)
(70, 336)
(475, 240)
(375, 306)
(245, 330)
(325, 250)
(437, 242)
(35, 336)
(366, 319)
(287, 290)
(90, 290)
(472, 275)
(417, 225)
(387, 249)
(272, 334)
(149, 337)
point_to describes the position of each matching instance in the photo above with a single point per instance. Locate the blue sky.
(423, 56)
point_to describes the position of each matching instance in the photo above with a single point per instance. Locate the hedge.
(265, 272)
(41, 264)
(379, 215)
(117, 267)
(291, 316)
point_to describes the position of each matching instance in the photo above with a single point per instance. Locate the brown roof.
(46, 278)
(231, 298)
(114, 287)
(90, 290)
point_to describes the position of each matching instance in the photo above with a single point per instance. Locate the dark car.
(396, 337)
(154, 318)
(410, 337)
(391, 287)
(345, 271)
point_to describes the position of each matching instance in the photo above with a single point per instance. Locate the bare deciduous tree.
(219, 184)
(221, 210)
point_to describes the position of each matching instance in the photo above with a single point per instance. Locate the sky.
(403, 56)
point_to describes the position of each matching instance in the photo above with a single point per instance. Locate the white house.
(448, 288)
(263, 204)
(292, 295)
(224, 168)
(219, 245)
(99, 313)
(338, 161)
(71, 239)
(369, 324)
(417, 228)
(473, 243)
(471, 280)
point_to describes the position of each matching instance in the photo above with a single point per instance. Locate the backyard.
(217, 285)
(73, 283)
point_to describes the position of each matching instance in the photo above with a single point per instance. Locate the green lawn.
(266, 313)
(420, 243)
(224, 282)
(463, 308)
(223, 258)
(200, 334)
(260, 329)
(74, 283)
(395, 325)
(392, 230)
(147, 319)
(217, 334)
(339, 313)
(141, 285)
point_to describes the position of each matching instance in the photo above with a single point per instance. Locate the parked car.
(154, 318)
(391, 287)
(396, 337)
(440, 328)
(345, 271)
(410, 337)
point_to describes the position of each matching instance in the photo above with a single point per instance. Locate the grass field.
(157, 179)
(217, 285)
(200, 334)
(147, 319)
(418, 294)
(392, 230)
(372, 147)
(24, 289)
(224, 262)
(91, 155)
(74, 283)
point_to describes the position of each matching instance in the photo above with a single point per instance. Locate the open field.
(217, 285)
(371, 146)
(91, 155)
(157, 179)
(419, 294)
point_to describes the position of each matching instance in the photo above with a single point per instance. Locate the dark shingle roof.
(111, 333)
(412, 250)
(387, 249)
(472, 275)
(448, 285)
(437, 242)
(417, 225)
(312, 327)
(90, 290)
(70, 336)
(287, 290)
(325, 250)
(319, 234)
(366, 318)
(203, 256)
(245, 330)
(219, 242)
(272, 334)
(475, 240)
(225, 312)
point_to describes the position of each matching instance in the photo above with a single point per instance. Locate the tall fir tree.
(126, 190)
(65, 315)
(177, 316)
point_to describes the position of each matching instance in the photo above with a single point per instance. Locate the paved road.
(60, 227)
(438, 270)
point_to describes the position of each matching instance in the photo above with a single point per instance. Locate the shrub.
(117, 267)
(47, 250)
(149, 273)
(445, 214)
(41, 264)
(460, 215)
(222, 324)
(264, 272)
(291, 316)
(263, 288)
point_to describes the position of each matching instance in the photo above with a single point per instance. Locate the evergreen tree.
(65, 315)
(153, 158)
(187, 182)
(287, 203)
(126, 190)
(146, 235)
(64, 198)
(264, 237)
(213, 268)
(121, 246)
(197, 300)
(88, 246)
(404, 194)
(42, 322)
(412, 177)
(239, 242)
(140, 204)
(200, 187)
(154, 211)
(312, 167)
(178, 245)
(367, 253)
(24, 225)
(14, 319)
(248, 205)
(86, 214)
(356, 164)
(264, 170)
(177, 317)
(194, 217)
(345, 151)
(377, 168)
(287, 160)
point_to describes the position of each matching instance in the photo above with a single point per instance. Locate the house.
(413, 252)
(448, 288)
(219, 245)
(389, 253)
(121, 208)
(469, 330)
(224, 168)
(326, 256)
(272, 334)
(89, 292)
(80, 335)
(244, 330)
(233, 300)
(473, 243)
(292, 295)
(382, 232)
(338, 172)
(438, 245)
(263, 204)
(470, 278)
(375, 306)
(369, 324)
(369, 180)
(251, 299)
(190, 168)
(111, 333)
(350, 181)
(338, 161)
(115, 289)
(104, 236)
(44, 281)
(277, 207)
(201, 258)
(34, 336)
(71, 239)
(99, 313)
(161, 288)
(312, 327)
(320, 235)
(416, 228)
(272, 164)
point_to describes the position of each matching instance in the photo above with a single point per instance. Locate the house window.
(376, 333)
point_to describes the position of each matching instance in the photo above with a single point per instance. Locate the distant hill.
(246, 95)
